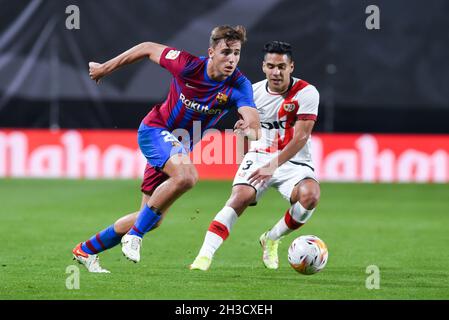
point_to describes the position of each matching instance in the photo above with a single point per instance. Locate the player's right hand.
(241, 127)
(95, 71)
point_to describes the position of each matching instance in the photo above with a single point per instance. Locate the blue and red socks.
(147, 218)
(103, 240)
(108, 238)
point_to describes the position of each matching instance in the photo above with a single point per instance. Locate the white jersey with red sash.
(278, 114)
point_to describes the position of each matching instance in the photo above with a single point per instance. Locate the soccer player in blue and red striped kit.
(202, 89)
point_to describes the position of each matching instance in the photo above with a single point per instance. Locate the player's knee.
(239, 203)
(309, 198)
(191, 179)
(186, 181)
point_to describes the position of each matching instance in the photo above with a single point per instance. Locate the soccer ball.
(307, 254)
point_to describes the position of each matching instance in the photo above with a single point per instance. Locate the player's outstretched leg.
(220, 227)
(87, 252)
(306, 193)
(217, 233)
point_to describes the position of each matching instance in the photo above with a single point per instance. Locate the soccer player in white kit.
(281, 158)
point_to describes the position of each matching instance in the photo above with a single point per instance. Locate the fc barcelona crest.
(221, 98)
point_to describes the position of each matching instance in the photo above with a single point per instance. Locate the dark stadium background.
(395, 79)
(380, 149)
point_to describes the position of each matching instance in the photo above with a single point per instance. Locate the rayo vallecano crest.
(221, 98)
(289, 107)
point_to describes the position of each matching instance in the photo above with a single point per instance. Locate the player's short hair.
(278, 47)
(228, 33)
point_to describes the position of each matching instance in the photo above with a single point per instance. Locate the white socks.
(221, 226)
(294, 218)
(280, 229)
(218, 231)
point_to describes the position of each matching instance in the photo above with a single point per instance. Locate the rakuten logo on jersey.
(197, 107)
(275, 125)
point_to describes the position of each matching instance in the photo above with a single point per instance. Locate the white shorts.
(284, 179)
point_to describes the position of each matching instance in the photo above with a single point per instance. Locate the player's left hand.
(262, 175)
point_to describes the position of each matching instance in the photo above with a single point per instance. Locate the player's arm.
(249, 124)
(151, 50)
(303, 130)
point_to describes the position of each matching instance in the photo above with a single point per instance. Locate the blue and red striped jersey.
(193, 96)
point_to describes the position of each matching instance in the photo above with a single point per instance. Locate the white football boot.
(90, 261)
(131, 247)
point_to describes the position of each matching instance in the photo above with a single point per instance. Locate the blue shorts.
(158, 145)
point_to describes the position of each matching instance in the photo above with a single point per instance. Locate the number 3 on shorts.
(249, 163)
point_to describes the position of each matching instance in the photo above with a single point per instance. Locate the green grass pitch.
(403, 229)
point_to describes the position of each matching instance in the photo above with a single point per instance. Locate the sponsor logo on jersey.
(289, 107)
(172, 54)
(276, 125)
(198, 107)
(221, 98)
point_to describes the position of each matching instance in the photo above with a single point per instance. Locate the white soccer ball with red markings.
(308, 254)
